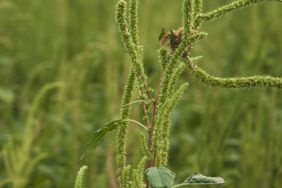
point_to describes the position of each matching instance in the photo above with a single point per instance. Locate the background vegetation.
(62, 72)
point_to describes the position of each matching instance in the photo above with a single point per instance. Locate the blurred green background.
(62, 70)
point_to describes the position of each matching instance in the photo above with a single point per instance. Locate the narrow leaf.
(98, 135)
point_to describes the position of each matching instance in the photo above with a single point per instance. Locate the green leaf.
(99, 135)
(160, 177)
(201, 179)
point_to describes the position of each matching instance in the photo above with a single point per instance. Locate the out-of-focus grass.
(232, 133)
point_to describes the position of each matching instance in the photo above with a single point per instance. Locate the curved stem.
(189, 184)
(134, 102)
(235, 82)
(229, 8)
(180, 185)
(136, 122)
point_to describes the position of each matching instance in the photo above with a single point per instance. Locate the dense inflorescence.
(174, 55)
(173, 60)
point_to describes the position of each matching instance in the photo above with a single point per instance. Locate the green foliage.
(6, 95)
(79, 181)
(20, 159)
(19, 164)
(160, 177)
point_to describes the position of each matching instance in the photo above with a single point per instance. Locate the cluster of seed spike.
(155, 144)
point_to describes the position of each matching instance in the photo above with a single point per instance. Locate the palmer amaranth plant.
(174, 55)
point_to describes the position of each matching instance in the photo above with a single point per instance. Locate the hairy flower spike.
(212, 15)
(180, 51)
(128, 41)
(127, 172)
(161, 132)
(198, 6)
(197, 36)
(139, 174)
(156, 139)
(122, 129)
(127, 94)
(144, 147)
(174, 77)
(132, 49)
(163, 58)
(129, 36)
(164, 120)
(170, 68)
(123, 26)
(240, 82)
(198, 10)
(79, 182)
(188, 11)
(163, 153)
(133, 20)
